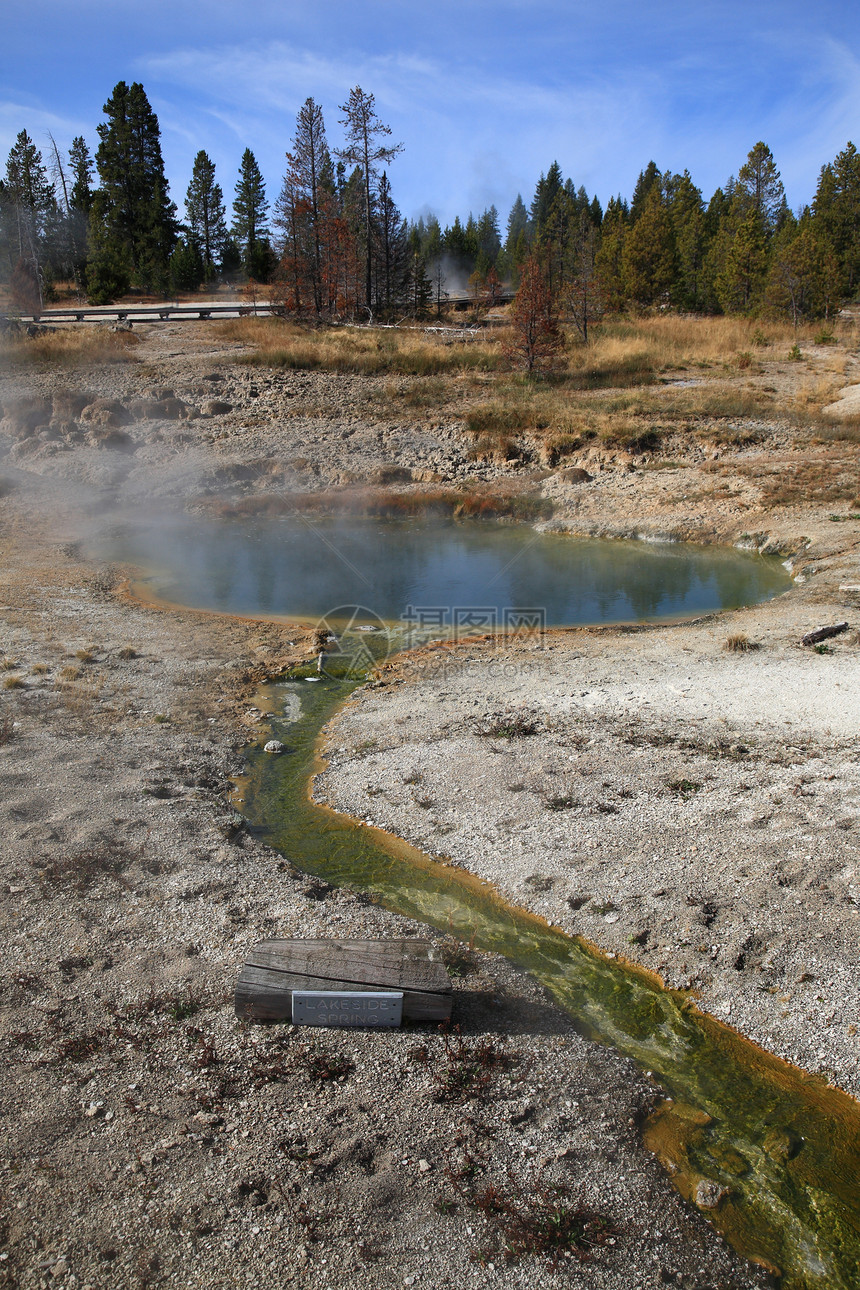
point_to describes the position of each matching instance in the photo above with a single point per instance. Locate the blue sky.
(484, 94)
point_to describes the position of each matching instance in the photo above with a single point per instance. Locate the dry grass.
(71, 345)
(814, 395)
(816, 478)
(566, 420)
(364, 351)
(622, 354)
(482, 501)
(839, 432)
(675, 341)
(739, 643)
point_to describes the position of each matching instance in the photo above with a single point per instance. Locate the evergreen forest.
(329, 242)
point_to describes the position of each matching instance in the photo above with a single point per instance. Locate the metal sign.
(347, 1007)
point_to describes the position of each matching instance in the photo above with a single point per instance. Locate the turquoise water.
(435, 573)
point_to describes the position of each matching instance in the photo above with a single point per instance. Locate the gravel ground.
(148, 1137)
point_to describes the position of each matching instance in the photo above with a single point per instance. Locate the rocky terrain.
(689, 807)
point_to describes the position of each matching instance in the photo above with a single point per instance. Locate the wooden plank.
(263, 995)
(273, 969)
(387, 964)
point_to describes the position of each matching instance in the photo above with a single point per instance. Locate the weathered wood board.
(273, 969)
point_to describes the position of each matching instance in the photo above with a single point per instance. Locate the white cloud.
(38, 121)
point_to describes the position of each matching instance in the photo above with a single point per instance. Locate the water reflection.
(303, 567)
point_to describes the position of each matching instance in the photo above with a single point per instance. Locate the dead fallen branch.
(823, 633)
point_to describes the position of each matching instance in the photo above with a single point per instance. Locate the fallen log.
(823, 633)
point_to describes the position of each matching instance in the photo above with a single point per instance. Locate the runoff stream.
(778, 1147)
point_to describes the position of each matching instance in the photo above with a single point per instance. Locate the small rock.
(709, 1194)
(273, 746)
(424, 1166)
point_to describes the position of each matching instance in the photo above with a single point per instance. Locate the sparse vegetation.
(739, 643)
(178, 1003)
(459, 958)
(518, 724)
(364, 351)
(72, 345)
(548, 1222)
(564, 802)
(817, 478)
(80, 869)
(477, 502)
(469, 1068)
(684, 788)
(322, 1064)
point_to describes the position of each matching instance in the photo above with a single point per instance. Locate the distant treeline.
(334, 244)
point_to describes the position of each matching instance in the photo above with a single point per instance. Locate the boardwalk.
(167, 312)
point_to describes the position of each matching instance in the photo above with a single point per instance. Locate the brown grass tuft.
(739, 643)
(73, 344)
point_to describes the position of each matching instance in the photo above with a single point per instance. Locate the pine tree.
(555, 238)
(250, 210)
(132, 219)
(364, 148)
(648, 178)
(488, 239)
(648, 258)
(792, 280)
(548, 188)
(741, 249)
(80, 203)
(292, 277)
(187, 268)
(584, 290)
(514, 250)
(836, 211)
(29, 208)
(81, 165)
(535, 339)
(687, 213)
(419, 288)
(204, 206)
(609, 259)
(305, 206)
(759, 185)
(391, 251)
